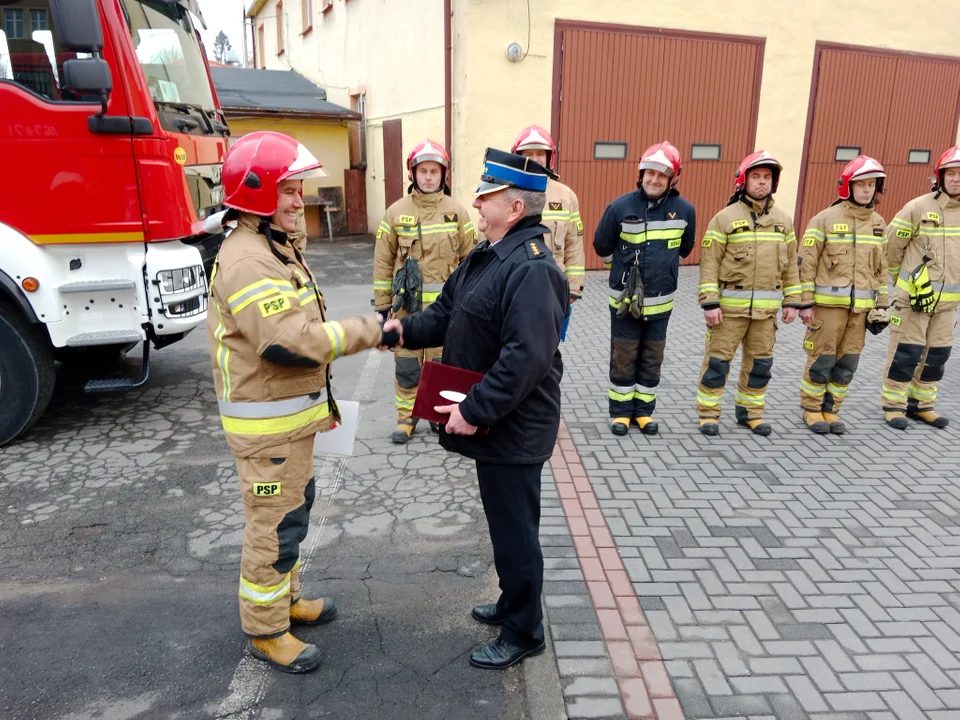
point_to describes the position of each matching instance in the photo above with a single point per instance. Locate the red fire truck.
(112, 141)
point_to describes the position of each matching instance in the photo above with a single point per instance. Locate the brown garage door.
(899, 108)
(619, 89)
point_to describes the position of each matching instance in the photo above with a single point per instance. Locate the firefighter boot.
(647, 425)
(286, 653)
(313, 612)
(836, 424)
(401, 436)
(619, 426)
(928, 417)
(816, 422)
(709, 427)
(895, 419)
(756, 425)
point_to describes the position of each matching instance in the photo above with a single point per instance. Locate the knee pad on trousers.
(408, 372)
(821, 368)
(651, 360)
(623, 359)
(936, 362)
(291, 531)
(715, 376)
(904, 363)
(760, 373)
(845, 368)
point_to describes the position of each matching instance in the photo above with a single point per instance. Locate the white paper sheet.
(339, 441)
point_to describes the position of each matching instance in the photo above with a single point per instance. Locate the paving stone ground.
(789, 577)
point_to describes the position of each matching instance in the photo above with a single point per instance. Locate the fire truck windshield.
(169, 53)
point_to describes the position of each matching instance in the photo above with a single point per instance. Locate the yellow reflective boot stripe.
(620, 396)
(837, 390)
(338, 340)
(709, 400)
(223, 354)
(917, 394)
(264, 595)
(403, 403)
(744, 399)
(893, 394)
(808, 388)
(277, 425)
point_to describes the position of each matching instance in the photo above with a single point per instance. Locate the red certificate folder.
(437, 378)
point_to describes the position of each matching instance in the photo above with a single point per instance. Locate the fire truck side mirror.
(88, 76)
(78, 25)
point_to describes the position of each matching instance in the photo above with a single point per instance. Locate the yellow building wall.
(327, 140)
(394, 48)
(494, 98)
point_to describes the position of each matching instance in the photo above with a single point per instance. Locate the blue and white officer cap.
(502, 170)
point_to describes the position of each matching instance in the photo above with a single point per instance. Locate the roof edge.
(255, 8)
(283, 114)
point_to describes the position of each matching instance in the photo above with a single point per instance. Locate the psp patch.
(903, 233)
(894, 320)
(841, 228)
(809, 241)
(407, 220)
(740, 224)
(808, 344)
(707, 242)
(267, 489)
(274, 306)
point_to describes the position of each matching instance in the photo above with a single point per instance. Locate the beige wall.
(394, 48)
(494, 97)
(326, 139)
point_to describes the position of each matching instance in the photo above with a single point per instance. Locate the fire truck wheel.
(27, 374)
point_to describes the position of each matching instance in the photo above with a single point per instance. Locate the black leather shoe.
(487, 614)
(499, 655)
(435, 427)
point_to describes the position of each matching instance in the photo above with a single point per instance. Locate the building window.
(306, 10)
(38, 20)
(609, 150)
(845, 153)
(705, 151)
(280, 20)
(919, 157)
(13, 24)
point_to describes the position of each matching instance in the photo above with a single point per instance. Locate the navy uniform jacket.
(655, 237)
(500, 314)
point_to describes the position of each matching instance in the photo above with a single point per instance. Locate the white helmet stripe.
(305, 159)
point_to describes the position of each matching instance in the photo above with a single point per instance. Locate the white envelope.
(339, 441)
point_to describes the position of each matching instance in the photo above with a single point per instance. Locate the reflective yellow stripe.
(307, 296)
(575, 270)
(709, 287)
(338, 340)
(836, 390)
(758, 236)
(556, 215)
(223, 354)
(917, 394)
(898, 222)
(403, 403)
(905, 284)
(437, 228)
(756, 400)
(814, 233)
(658, 309)
(808, 287)
(383, 284)
(791, 289)
(808, 388)
(385, 226)
(263, 595)
(746, 302)
(70, 238)
(708, 400)
(620, 397)
(429, 296)
(889, 393)
(265, 283)
(275, 426)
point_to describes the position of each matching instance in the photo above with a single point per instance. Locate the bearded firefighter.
(421, 241)
(641, 237)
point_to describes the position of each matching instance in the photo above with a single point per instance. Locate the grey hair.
(532, 201)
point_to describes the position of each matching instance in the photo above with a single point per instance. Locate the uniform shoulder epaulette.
(536, 250)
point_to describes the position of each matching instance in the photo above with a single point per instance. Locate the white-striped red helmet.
(861, 167)
(662, 157)
(536, 138)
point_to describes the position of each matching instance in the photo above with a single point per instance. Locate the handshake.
(391, 335)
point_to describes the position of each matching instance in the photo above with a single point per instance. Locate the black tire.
(27, 374)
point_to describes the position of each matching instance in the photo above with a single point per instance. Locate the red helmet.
(662, 157)
(949, 159)
(256, 164)
(536, 138)
(429, 151)
(761, 158)
(861, 167)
